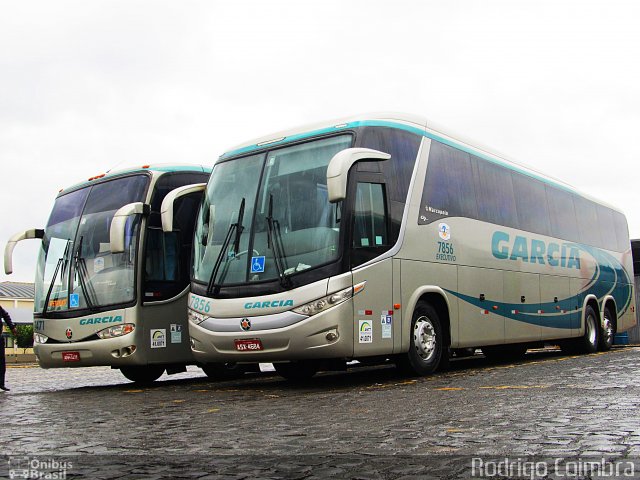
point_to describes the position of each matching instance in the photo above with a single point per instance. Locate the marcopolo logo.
(270, 304)
(533, 250)
(98, 320)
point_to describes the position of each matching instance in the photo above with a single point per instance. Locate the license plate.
(70, 356)
(251, 345)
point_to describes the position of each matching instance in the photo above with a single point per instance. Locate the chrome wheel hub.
(424, 338)
(592, 331)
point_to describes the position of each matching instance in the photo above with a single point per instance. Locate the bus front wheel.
(426, 342)
(143, 374)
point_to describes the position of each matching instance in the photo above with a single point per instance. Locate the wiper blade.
(80, 266)
(55, 274)
(234, 227)
(274, 242)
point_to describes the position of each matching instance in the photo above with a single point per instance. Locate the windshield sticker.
(159, 338)
(58, 302)
(176, 333)
(257, 264)
(74, 300)
(98, 265)
(365, 331)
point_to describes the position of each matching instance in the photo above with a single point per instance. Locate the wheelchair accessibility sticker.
(74, 300)
(257, 264)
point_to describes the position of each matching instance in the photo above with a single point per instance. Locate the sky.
(90, 86)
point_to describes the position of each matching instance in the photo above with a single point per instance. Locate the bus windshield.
(267, 216)
(76, 270)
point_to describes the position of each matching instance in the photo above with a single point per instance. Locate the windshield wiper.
(61, 260)
(274, 242)
(234, 227)
(80, 266)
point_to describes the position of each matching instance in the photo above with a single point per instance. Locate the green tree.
(25, 336)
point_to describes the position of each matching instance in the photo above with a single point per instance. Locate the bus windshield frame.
(273, 204)
(76, 272)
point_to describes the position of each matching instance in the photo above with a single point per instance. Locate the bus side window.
(370, 223)
(162, 260)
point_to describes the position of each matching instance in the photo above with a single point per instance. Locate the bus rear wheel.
(608, 331)
(588, 342)
(143, 374)
(426, 343)
(297, 371)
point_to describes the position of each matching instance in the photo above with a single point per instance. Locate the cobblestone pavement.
(365, 423)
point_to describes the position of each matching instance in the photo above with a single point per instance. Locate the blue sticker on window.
(257, 264)
(74, 300)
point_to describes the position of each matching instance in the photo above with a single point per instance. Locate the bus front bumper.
(119, 351)
(328, 334)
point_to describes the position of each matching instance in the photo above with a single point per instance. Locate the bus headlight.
(39, 338)
(329, 301)
(116, 331)
(195, 317)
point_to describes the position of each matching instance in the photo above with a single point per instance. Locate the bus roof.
(159, 168)
(413, 123)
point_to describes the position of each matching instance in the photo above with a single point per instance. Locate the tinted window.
(607, 227)
(369, 222)
(587, 217)
(166, 183)
(167, 259)
(531, 204)
(622, 232)
(403, 148)
(116, 193)
(562, 214)
(496, 199)
(449, 185)
(68, 207)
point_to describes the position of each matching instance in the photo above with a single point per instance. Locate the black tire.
(298, 371)
(607, 333)
(588, 343)
(511, 352)
(143, 374)
(223, 371)
(426, 344)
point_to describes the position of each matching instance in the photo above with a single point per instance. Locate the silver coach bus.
(111, 286)
(383, 237)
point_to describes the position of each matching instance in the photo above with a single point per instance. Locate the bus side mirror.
(338, 169)
(166, 210)
(119, 223)
(11, 244)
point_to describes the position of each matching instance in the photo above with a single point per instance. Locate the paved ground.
(366, 423)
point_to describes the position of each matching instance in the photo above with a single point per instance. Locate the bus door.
(374, 322)
(166, 272)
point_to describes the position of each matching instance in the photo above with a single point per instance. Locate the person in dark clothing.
(3, 364)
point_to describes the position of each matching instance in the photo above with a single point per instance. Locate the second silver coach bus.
(383, 237)
(111, 286)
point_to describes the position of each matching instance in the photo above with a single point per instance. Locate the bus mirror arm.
(339, 165)
(166, 210)
(11, 244)
(119, 223)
